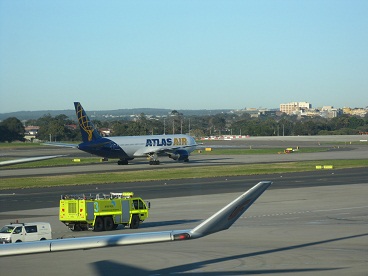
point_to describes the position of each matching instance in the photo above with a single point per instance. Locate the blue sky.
(182, 54)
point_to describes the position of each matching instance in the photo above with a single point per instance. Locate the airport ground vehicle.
(23, 232)
(102, 212)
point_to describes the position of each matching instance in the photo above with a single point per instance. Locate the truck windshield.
(139, 204)
(7, 229)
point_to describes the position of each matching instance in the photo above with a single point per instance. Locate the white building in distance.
(294, 107)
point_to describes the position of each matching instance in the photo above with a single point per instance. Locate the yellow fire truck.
(102, 212)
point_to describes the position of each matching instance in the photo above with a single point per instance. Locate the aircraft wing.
(63, 145)
(221, 220)
(158, 150)
(28, 159)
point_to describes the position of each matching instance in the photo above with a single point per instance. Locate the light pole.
(189, 126)
(164, 126)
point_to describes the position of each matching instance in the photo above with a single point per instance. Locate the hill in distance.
(105, 114)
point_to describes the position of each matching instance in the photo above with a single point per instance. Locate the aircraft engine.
(173, 156)
(180, 155)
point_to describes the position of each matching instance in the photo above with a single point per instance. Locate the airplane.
(221, 220)
(126, 148)
(27, 159)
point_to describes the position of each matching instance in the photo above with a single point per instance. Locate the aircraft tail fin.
(88, 130)
(224, 218)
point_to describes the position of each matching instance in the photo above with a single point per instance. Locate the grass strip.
(174, 173)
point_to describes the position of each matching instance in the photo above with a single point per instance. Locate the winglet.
(224, 218)
(88, 131)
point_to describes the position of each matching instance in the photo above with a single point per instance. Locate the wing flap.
(110, 240)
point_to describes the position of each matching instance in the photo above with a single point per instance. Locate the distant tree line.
(11, 129)
(60, 127)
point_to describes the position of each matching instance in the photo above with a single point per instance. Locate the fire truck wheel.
(99, 225)
(77, 228)
(108, 223)
(135, 222)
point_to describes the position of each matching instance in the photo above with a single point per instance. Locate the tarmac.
(303, 231)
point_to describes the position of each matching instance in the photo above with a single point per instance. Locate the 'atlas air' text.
(166, 142)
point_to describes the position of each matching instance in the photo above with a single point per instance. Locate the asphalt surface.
(24, 199)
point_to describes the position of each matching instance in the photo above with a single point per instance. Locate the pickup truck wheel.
(135, 222)
(108, 223)
(99, 225)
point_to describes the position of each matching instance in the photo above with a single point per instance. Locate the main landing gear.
(153, 159)
(123, 162)
(154, 162)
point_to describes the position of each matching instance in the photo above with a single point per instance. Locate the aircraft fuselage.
(129, 147)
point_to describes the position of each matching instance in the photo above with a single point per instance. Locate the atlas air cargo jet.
(125, 148)
(219, 221)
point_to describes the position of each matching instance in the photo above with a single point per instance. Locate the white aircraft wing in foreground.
(221, 220)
